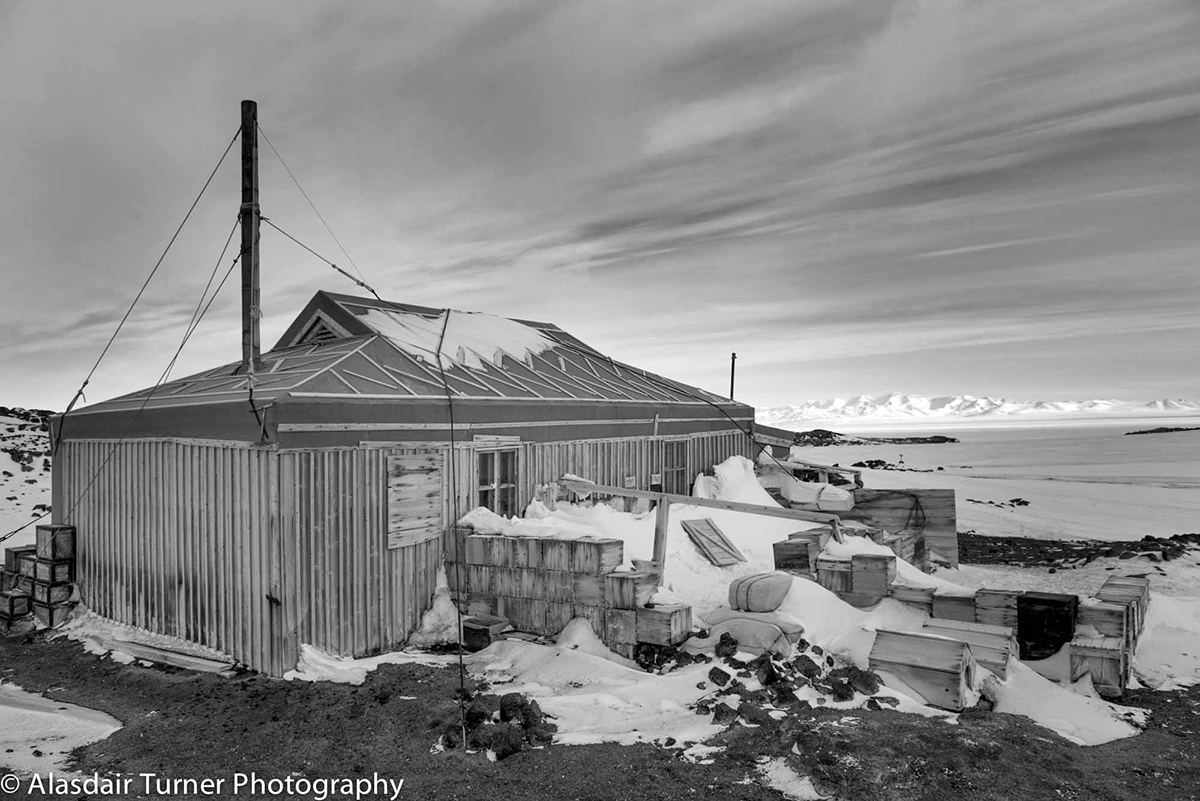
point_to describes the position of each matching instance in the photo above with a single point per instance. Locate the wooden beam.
(578, 485)
(662, 517)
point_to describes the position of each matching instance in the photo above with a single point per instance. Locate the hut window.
(498, 481)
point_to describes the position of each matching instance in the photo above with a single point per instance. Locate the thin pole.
(732, 366)
(251, 312)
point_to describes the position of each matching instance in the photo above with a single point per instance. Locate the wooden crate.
(996, 607)
(480, 579)
(1121, 588)
(593, 614)
(454, 544)
(14, 555)
(796, 556)
(479, 631)
(620, 631)
(8, 580)
(51, 615)
(557, 617)
(478, 549)
(598, 556)
(872, 573)
(526, 553)
(14, 604)
(26, 562)
(558, 586)
(629, 590)
(834, 574)
(1045, 623)
(50, 594)
(919, 597)
(482, 604)
(55, 542)
(992, 646)
(1105, 659)
(556, 554)
(587, 589)
(902, 543)
(525, 614)
(665, 624)
(820, 536)
(51, 572)
(1109, 618)
(954, 607)
(941, 670)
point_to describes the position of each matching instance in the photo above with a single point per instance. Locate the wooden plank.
(707, 503)
(992, 646)
(414, 494)
(954, 607)
(712, 542)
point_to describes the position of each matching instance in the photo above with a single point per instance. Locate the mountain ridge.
(897, 406)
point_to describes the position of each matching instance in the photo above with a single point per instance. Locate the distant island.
(1163, 430)
(819, 437)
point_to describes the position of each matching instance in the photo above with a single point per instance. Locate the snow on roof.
(469, 338)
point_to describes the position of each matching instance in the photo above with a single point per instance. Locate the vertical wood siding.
(177, 538)
(345, 591)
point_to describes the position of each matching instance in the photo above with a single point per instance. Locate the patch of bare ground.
(187, 725)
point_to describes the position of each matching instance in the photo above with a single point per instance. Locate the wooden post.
(251, 312)
(662, 516)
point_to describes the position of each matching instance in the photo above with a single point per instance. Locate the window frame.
(496, 488)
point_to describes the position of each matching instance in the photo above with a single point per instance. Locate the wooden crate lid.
(964, 626)
(929, 651)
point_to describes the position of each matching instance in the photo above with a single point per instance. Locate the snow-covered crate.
(796, 556)
(55, 542)
(940, 669)
(954, 607)
(992, 646)
(1104, 659)
(51, 571)
(819, 535)
(919, 597)
(51, 593)
(630, 590)
(834, 574)
(996, 607)
(664, 624)
(872, 573)
(14, 555)
(597, 557)
(1045, 623)
(13, 604)
(26, 562)
(51, 615)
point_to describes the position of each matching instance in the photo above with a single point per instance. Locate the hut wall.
(346, 591)
(178, 537)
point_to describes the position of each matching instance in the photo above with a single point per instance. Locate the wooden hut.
(308, 503)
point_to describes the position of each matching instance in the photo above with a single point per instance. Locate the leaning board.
(712, 542)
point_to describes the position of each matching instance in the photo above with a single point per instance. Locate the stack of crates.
(39, 578)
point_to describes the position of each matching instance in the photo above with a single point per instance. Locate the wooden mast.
(251, 311)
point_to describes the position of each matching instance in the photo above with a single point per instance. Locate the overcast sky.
(988, 196)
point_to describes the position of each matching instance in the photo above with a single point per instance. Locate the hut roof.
(363, 347)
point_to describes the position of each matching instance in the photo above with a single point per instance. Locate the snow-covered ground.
(22, 490)
(38, 734)
(597, 696)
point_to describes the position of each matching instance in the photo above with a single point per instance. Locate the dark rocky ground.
(819, 437)
(977, 549)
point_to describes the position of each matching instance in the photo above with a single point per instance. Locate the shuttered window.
(498, 481)
(414, 493)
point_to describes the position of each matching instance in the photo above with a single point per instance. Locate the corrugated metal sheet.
(177, 538)
(350, 593)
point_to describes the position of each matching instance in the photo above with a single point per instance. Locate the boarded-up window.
(414, 483)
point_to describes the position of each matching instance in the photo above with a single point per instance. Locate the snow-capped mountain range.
(897, 407)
